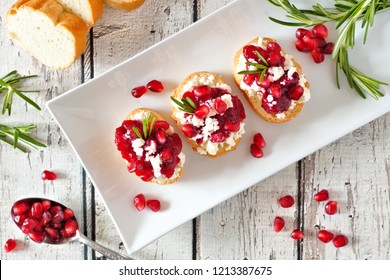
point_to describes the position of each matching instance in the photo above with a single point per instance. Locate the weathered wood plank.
(355, 170)
(118, 36)
(20, 173)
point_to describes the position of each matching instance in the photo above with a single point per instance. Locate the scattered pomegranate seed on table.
(258, 139)
(297, 234)
(139, 202)
(278, 224)
(258, 143)
(340, 241)
(9, 245)
(155, 86)
(320, 30)
(325, 236)
(322, 195)
(154, 205)
(256, 151)
(331, 208)
(137, 92)
(286, 201)
(48, 175)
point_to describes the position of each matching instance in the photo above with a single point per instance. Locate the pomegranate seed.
(139, 202)
(301, 46)
(36, 210)
(249, 79)
(278, 224)
(137, 92)
(328, 48)
(202, 111)
(325, 236)
(48, 175)
(302, 32)
(232, 126)
(296, 92)
(321, 195)
(258, 140)
(29, 224)
(19, 219)
(317, 56)
(203, 92)
(46, 205)
(273, 47)
(286, 201)
(340, 241)
(37, 236)
(68, 213)
(297, 234)
(220, 106)
(166, 155)
(9, 245)
(53, 234)
(154, 205)
(155, 86)
(53, 210)
(161, 137)
(189, 130)
(46, 218)
(256, 151)
(71, 227)
(161, 124)
(275, 90)
(249, 52)
(20, 208)
(331, 208)
(319, 42)
(217, 137)
(309, 42)
(145, 174)
(274, 59)
(58, 217)
(265, 83)
(320, 30)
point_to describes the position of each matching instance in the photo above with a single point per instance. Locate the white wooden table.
(355, 169)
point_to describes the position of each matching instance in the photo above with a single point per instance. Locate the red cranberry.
(340, 241)
(139, 202)
(202, 111)
(296, 92)
(256, 151)
(286, 201)
(320, 30)
(155, 86)
(302, 32)
(189, 130)
(48, 175)
(318, 57)
(278, 224)
(297, 234)
(322, 195)
(331, 208)
(258, 140)
(9, 245)
(325, 236)
(154, 205)
(220, 106)
(328, 48)
(137, 92)
(301, 46)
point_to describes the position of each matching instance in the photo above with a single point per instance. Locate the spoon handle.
(110, 254)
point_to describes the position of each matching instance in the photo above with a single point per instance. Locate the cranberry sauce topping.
(217, 114)
(160, 145)
(279, 85)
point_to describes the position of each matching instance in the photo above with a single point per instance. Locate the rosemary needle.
(17, 135)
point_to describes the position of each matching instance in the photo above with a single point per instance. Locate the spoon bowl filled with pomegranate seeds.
(47, 221)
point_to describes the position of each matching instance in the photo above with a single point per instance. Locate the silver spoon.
(49, 225)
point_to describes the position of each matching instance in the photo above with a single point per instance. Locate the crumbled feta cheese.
(275, 73)
(137, 146)
(210, 126)
(156, 161)
(227, 98)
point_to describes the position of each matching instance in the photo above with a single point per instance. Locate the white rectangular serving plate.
(89, 114)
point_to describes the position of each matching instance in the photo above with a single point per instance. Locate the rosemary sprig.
(8, 84)
(19, 134)
(147, 127)
(186, 104)
(346, 13)
(261, 68)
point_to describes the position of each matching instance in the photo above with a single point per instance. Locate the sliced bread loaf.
(89, 10)
(127, 5)
(52, 35)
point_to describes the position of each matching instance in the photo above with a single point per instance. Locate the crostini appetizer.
(206, 112)
(271, 80)
(150, 146)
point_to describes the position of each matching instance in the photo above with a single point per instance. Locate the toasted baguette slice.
(42, 27)
(255, 96)
(142, 113)
(207, 148)
(126, 5)
(89, 10)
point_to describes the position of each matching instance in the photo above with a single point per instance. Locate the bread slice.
(42, 27)
(142, 113)
(89, 10)
(126, 5)
(207, 148)
(255, 98)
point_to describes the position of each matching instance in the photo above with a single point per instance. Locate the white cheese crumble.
(275, 73)
(137, 145)
(156, 162)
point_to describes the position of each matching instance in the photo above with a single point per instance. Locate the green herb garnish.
(147, 127)
(261, 68)
(19, 134)
(186, 104)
